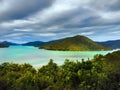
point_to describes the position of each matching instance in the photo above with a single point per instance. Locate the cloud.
(116, 32)
(46, 34)
(23, 30)
(17, 9)
(54, 19)
(13, 35)
(87, 33)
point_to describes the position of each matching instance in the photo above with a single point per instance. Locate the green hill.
(76, 43)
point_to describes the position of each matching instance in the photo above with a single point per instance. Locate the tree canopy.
(100, 73)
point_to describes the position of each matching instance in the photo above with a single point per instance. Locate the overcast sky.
(31, 20)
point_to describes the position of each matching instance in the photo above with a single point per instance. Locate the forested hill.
(35, 43)
(100, 73)
(76, 43)
(9, 43)
(3, 45)
(114, 44)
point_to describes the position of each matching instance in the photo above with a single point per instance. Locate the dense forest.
(100, 73)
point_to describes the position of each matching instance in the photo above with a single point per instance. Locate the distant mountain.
(9, 43)
(113, 44)
(3, 45)
(76, 43)
(35, 43)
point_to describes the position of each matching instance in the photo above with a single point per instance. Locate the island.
(3, 45)
(76, 43)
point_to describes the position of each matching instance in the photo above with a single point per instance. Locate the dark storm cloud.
(53, 19)
(17, 9)
(115, 6)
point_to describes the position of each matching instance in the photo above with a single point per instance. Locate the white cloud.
(115, 32)
(87, 33)
(24, 30)
(17, 23)
(45, 34)
(13, 35)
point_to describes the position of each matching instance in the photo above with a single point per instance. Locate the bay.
(38, 57)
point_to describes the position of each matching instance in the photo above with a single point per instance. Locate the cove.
(38, 57)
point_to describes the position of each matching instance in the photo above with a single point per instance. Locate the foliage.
(100, 73)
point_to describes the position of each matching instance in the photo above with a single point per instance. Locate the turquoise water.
(38, 57)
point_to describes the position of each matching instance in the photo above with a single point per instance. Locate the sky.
(44, 20)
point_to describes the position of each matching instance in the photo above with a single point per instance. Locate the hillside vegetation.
(100, 73)
(76, 43)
